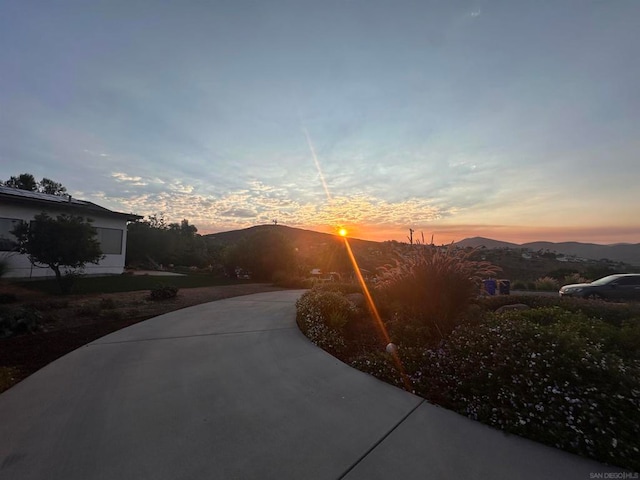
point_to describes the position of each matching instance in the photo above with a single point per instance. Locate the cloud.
(96, 154)
(417, 115)
(131, 180)
(239, 213)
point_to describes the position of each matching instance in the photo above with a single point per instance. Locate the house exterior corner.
(21, 206)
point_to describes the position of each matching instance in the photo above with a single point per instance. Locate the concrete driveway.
(232, 390)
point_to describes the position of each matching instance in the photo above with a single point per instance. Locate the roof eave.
(89, 209)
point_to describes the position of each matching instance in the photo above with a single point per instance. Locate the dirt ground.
(72, 321)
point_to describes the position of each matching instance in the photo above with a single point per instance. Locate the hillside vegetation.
(288, 255)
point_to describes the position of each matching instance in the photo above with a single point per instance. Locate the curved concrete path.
(232, 390)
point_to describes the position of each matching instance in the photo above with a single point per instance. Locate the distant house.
(22, 206)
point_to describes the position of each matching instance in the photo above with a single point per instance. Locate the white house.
(22, 206)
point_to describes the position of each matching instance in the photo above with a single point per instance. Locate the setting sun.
(343, 232)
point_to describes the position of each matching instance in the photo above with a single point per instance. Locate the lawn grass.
(128, 283)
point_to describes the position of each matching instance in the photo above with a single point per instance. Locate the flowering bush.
(380, 365)
(550, 381)
(550, 375)
(322, 316)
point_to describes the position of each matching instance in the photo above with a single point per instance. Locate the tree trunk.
(65, 286)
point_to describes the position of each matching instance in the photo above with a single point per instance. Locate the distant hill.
(310, 244)
(296, 235)
(485, 242)
(620, 252)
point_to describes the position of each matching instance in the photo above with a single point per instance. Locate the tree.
(47, 185)
(26, 181)
(334, 257)
(64, 244)
(153, 242)
(146, 242)
(263, 253)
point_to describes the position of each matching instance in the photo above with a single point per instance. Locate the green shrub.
(613, 313)
(19, 321)
(621, 339)
(163, 292)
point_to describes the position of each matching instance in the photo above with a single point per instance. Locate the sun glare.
(391, 347)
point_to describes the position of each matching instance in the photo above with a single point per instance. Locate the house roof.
(62, 202)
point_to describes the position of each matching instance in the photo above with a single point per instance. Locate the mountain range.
(619, 252)
(309, 239)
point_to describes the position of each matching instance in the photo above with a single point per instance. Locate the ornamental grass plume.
(432, 285)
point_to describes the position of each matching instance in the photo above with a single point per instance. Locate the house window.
(7, 240)
(110, 240)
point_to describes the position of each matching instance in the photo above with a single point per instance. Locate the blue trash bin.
(490, 285)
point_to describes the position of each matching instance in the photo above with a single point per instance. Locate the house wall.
(19, 265)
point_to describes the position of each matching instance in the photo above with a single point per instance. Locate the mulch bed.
(71, 327)
(26, 354)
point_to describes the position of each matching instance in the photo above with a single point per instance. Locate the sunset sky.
(515, 120)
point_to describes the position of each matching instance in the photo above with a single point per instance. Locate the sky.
(514, 120)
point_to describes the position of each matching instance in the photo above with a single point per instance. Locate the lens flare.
(315, 160)
(376, 316)
(365, 290)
